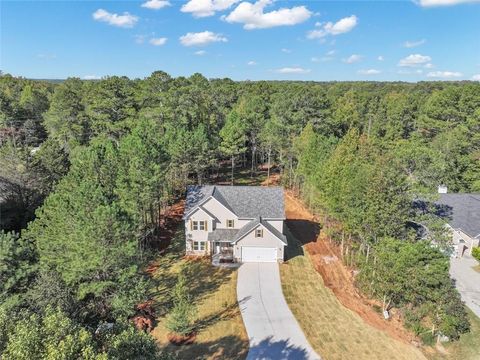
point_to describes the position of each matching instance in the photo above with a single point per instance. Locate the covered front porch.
(221, 245)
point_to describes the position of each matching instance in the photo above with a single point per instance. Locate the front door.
(217, 248)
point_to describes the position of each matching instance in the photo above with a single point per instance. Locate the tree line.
(88, 170)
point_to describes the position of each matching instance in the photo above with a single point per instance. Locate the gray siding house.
(235, 223)
(462, 213)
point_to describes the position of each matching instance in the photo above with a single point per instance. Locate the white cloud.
(92, 77)
(380, 58)
(414, 60)
(204, 8)
(433, 3)
(412, 44)
(410, 72)
(444, 74)
(287, 51)
(251, 63)
(253, 17)
(201, 38)
(429, 66)
(331, 52)
(322, 59)
(200, 52)
(476, 77)
(158, 41)
(340, 27)
(156, 4)
(126, 20)
(369, 72)
(292, 70)
(353, 59)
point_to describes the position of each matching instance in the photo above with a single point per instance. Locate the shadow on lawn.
(202, 277)
(277, 350)
(226, 348)
(300, 232)
(232, 347)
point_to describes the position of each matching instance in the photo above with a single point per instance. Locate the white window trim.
(199, 245)
(228, 223)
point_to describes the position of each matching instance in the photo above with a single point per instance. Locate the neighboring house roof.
(247, 202)
(461, 211)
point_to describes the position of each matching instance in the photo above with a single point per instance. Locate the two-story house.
(240, 223)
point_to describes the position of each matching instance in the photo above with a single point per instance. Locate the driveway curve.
(272, 329)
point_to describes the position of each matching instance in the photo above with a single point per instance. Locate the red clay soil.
(336, 276)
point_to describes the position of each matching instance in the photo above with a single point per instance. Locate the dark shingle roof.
(222, 235)
(247, 202)
(461, 211)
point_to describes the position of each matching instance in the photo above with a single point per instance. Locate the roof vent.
(442, 189)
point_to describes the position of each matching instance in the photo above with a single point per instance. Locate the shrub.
(476, 253)
(180, 319)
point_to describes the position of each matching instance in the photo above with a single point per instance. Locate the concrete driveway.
(271, 327)
(467, 281)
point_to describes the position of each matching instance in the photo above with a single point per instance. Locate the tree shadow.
(228, 312)
(300, 232)
(226, 348)
(202, 277)
(268, 349)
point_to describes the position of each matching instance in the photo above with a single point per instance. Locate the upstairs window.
(199, 225)
(230, 224)
(194, 225)
(259, 233)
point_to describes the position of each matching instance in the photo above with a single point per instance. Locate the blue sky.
(304, 40)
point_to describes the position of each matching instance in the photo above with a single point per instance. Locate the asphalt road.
(272, 329)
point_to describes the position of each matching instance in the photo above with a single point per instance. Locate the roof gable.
(252, 225)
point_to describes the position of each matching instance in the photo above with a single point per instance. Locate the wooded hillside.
(89, 168)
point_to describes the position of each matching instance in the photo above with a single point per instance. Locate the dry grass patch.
(220, 330)
(334, 331)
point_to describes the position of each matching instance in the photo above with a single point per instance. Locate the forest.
(88, 170)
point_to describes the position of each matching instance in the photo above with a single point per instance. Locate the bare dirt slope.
(336, 276)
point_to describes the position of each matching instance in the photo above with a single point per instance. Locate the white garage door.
(258, 254)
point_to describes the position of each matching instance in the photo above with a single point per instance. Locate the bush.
(180, 319)
(476, 253)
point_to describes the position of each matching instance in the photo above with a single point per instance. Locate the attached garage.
(258, 254)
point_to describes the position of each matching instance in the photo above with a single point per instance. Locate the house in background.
(235, 223)
(462, 213)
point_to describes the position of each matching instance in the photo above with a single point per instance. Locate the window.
(230, 223)
(259, 233)
(199, 245)
(199, 225)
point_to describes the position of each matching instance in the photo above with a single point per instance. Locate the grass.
(334, 331)
(218, 322)
(467, 348)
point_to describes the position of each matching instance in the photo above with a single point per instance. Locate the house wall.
(268, 240)
(277, 224)
(222, 214)
(197, 235)
(468, 241)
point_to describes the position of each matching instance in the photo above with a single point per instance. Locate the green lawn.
(220, 330)
(334, 331)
